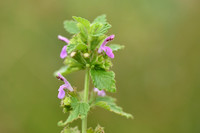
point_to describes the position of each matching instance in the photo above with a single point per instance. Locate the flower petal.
(63, 39)
(63, 52)
(109, 52)
(103, 45)
(67, 84)
(100, 49)
(100, 92)
(61, 93)
(110, 38)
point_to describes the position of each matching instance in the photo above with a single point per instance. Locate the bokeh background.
(158, 76)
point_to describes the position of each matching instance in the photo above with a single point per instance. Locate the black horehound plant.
(87, 50)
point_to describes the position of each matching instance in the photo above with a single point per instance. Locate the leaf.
(71, 27)
(108, 103)
(101, 29)
(80, 110)
(73, 47)
(116, 47)
(100, 19)
(70, 130)
(103, 79)
(96, 41)
(83, 32)
(83, 21)
(66, 70)
(84, 27)
(76, 44)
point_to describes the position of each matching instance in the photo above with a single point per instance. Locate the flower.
(100, 93)
(63, 52)
(67, 85)
(105, 48)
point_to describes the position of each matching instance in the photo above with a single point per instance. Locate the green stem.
(86, 92)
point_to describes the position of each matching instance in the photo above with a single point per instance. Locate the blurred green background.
(158, 76)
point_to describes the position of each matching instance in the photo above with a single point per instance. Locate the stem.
(86, 92)
(89, 44)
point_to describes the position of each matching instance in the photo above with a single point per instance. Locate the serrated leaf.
(108, 103)
(101, 29)
(83, 21)
(100, 19)
(116, 47)
(103, 79)
(80, 110)
(71, 27)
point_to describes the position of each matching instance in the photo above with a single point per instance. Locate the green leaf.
(66, 70)
(103, 79)
(108, 103)
(71, 27)
(116, 47)
(96, 41)
(76, 44)
(100, 19)
(83, 21)
(73, 47)
(70, 130)
(83, 32)
(80, 110)
(101, 29)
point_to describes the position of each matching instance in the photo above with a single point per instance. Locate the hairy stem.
(86, 92)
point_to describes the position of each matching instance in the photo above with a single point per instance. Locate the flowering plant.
(87, 50)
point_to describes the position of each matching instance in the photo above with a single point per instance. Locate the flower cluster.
(103, 46)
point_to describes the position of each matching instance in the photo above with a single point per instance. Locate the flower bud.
(67, 101)
(86, 55)
(87, 65)
(72, 54)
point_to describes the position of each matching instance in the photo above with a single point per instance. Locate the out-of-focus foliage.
(160, 63)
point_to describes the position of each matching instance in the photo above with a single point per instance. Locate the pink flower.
(105, 48)
(100, 93)
(63, 52)
(67, 85)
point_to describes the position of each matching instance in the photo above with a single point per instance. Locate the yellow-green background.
(158, 76)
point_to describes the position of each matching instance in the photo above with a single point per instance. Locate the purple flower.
(67, 85)
(100, 93)
(105, 48)
(63, 52)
